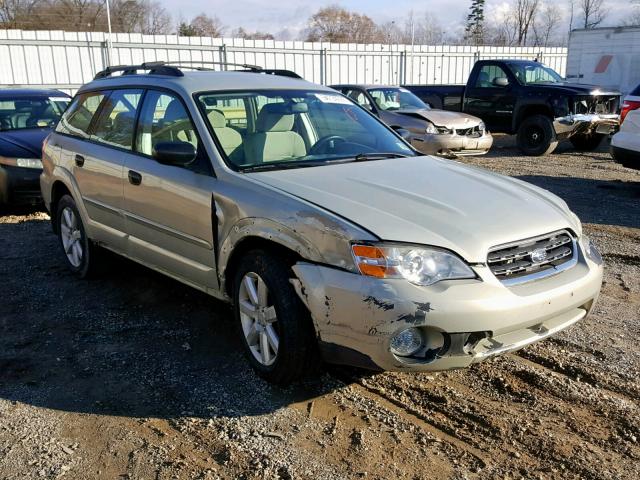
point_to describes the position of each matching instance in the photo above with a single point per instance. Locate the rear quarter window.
(77, 119)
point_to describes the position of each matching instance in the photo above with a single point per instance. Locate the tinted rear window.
(636, 91)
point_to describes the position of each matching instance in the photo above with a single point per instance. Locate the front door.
(487, 99)
(168, 209)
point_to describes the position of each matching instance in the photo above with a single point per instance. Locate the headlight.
(590, 250)
(418, 265)
(431, 128)
(21, 162)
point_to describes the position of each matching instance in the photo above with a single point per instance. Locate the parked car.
(531, 100)
(429, 131)
(631, 102)
(625, 145)
(328, 233)
(26, 118)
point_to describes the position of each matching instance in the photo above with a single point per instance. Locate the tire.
(297, 350)
(587, 142)
(626, 158)
(79, 252)
(536, 136)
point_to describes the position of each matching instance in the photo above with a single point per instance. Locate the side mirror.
(501, 82)
(404, 133)
(174, 153)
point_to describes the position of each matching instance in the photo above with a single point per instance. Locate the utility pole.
(109, 41)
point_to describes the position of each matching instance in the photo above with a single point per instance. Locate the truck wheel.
(276, 329)
(80, 253)
(536, 136)
(587, 142)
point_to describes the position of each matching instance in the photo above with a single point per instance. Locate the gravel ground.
(133, 375)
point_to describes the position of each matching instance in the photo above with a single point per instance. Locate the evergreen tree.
(474, 30)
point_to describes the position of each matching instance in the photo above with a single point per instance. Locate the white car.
(625, 145)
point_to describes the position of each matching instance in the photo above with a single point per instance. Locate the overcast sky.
(288, 17)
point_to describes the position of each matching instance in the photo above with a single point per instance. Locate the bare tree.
(593, 12)
(525, 12)
(546, 24)
(242, 33)
(202, 26)
(335, 24)
(12, 11)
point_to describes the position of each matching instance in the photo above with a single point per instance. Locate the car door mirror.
(174, 153)
(501, 82)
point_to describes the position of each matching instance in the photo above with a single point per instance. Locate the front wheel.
(536, 136)
(275, 327)
(587, 142)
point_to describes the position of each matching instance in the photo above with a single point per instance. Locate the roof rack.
(174, 68)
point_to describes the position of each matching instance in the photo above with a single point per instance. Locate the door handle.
(134, 178)
(79, 160)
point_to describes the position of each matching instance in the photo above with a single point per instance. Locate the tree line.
(515, 23)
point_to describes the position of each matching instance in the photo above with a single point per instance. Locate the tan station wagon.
(331, 236)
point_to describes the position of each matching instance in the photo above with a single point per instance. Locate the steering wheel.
(328, 141)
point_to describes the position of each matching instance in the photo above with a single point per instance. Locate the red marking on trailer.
(603, 64)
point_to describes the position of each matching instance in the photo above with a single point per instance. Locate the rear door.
(98, 178)
(492, 103)
(168, 208)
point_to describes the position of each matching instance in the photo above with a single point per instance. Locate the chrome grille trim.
(512, 263)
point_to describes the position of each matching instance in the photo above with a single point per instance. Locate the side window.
(116, 124)
(163, 119)
(488, 74)
(77, 118)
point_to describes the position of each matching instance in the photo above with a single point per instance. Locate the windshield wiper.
(363, 157)
(281, 166)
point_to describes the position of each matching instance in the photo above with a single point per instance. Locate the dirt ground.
(135, 376)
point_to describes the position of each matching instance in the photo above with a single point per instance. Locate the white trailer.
(608, 56)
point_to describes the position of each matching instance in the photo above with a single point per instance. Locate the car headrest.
(275, 117)
(217, 119)
(175, 111)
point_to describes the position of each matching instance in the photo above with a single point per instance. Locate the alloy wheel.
(71, 236)
(258, 318)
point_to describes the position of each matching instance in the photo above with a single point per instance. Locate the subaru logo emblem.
(538, 255)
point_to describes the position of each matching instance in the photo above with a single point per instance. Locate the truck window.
(488, 74)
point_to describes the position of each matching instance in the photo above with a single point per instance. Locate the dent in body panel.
(368, 311)
(248, 209)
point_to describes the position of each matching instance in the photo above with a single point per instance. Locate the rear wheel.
(79, 252)
(587, 142)
(275, 326)
(536, 136)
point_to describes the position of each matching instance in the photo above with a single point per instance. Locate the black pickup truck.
(531, 100)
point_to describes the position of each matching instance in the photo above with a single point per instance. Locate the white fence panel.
(66, 60)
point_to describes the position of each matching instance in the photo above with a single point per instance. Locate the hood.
(23, 143)
(569, 88)
(442, 118)
(429, 201)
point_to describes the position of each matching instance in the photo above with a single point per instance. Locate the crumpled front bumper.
(452, 143)
(586, 123)
(356, 316)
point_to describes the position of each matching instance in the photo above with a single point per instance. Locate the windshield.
(531, 73)
(31, 112)
(273, 129)
(396, 99)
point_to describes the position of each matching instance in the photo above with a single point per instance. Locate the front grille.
(470, 132)
(532, 258)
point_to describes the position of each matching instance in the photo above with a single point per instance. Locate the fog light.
(406, 342)
(591, 251)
